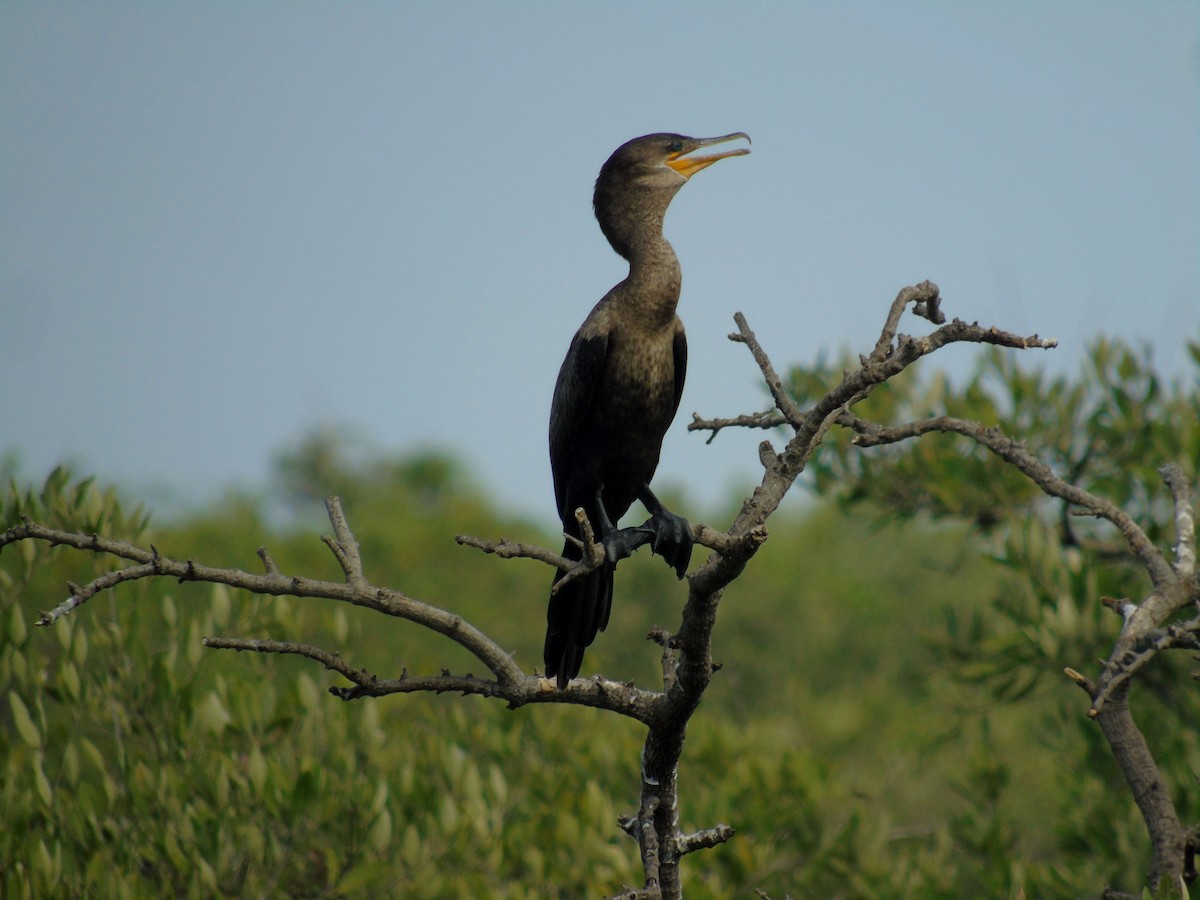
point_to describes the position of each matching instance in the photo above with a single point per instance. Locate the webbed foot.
(671, 538)
(619, 543)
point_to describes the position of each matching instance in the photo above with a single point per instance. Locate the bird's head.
(640, 178)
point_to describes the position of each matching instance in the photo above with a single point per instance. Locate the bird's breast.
(639, 389)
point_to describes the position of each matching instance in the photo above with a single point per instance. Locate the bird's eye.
(675, 146)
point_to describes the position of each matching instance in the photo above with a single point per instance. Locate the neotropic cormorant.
(619, 388)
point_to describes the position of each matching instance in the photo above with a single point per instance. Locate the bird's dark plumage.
(619, 389)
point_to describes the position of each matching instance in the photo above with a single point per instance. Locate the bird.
(619, 388)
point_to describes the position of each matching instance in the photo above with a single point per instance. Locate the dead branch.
(1012, 451)
(509, 682)
(1185, 520)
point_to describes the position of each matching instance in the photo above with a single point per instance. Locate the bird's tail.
(577, 613)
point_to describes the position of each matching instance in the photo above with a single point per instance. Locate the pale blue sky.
(222, 224)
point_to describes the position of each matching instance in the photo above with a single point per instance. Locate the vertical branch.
(1150, 792)
(1185, 522)
(343, 544)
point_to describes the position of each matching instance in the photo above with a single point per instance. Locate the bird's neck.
(652, 288)
(633, 224)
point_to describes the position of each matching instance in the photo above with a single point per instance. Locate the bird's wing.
(577, 380)
(679, 350)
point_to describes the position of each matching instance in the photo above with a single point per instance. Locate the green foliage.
(882, 725)
(139, 764)
(1108, 431)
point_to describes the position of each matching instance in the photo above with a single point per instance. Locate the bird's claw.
(619, 543)
(669, 535)
(671, 538)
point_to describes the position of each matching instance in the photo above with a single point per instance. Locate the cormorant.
(619, 388)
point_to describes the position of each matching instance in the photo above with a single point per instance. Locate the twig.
(702, 840)
(343, 544)
(600, 693)
(331, 661)
(926, 296)
(1121, 668)
(769, 419)
(647, 838)
(881, 366)
(506, 549)
(80, 595)
(268, 563)
(783, 400)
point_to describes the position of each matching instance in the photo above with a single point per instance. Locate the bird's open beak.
(687, 166)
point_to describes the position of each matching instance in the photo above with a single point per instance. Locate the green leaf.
(211, 714)
(42, 783)
(364, 879)
(25, 725)
(17, 630)
(381, 832)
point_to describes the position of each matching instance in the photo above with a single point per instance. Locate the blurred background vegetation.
(890, 720)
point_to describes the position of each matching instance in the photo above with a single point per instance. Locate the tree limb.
(509, 682)
(868, 434)
(1185, 521)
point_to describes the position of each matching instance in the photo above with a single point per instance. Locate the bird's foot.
(670, 536)
(619, 543)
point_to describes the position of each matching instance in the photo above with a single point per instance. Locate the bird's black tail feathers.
(577, 613)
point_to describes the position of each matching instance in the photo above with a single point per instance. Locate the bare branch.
(694, 666)
(1122, 667)
(506, 549)
(1080, 679)
(510, 682)
(1013, 451)
(783, 400)
(331, 661)
(1185, 522)
(702, 840)
(268, 563)
(893, 354)
(769, 419)
(647, 838)
(593, 551)
(1150, 792)
(343, 544)
(80, 595)
(600, 693)
(926, 296)
(594, 554)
